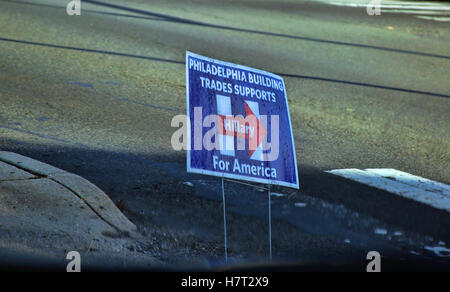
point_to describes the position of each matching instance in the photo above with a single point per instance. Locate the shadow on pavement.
(155, 184)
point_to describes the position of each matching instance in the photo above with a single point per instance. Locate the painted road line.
(409, 186)
(418, 9)
(440, 7)
(412, 180)
(435, 18)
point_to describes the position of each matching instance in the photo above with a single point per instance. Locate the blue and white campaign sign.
(240, 125)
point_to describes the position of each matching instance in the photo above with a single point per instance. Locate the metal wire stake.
(224, 222)
(270, 228)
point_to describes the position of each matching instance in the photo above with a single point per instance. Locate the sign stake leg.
(224, 222)
(270, 227)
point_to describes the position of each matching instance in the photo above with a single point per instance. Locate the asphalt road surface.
(95, 94)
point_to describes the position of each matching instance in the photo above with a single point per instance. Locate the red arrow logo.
(249, 128)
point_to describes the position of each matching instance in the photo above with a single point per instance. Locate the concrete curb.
(87, 192)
